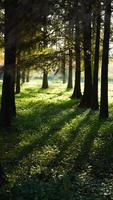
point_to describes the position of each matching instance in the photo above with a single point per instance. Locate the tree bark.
(95, 104)
(45, 80)
(77, 88)
(64, 61)
(45, 43)
(27, 75)
(23, 76)
(64, 68)
(70, 79)
(70, 74)
(18, 80)
(105, 60)
(8, 108)
(86, 98)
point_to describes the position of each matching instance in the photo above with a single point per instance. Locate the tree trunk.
(8, 108)
(27, 75)
(64, 61)
(77, 88)
(105, 59)
(45, 43)
(70, 79)
(23, 76)
(64, 68)
(95, 105)
(70, 74)
(86, 99)
(45, 80)
(18, 80)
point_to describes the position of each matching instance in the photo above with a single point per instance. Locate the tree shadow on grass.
(78, 157)
(102, 159)
(67, 186)
(58, 118)
(42, 115)
(54, 124)
(82, 159)
(43, 112)
(73, 134)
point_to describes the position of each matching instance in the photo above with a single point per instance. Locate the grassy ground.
(55, 150)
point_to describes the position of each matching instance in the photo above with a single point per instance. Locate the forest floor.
(55, 150)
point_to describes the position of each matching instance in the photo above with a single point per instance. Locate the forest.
(56, 100)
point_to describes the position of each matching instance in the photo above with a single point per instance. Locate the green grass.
(55, 150)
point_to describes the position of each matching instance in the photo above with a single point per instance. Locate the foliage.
(46, 58)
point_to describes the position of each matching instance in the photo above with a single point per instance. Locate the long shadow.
(84, 155)
(34, 186)
(65, 190)
(72, 137)
(102, 160)
(43, 113)
(43, 140)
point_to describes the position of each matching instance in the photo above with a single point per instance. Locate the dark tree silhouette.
(77, 87)
(45, 79)
(105, 59)
(86, 99)
(70, 73)
(63, 67)
(45, 43)
(18, 79)
(95, 105)
(8, 109)
(27, 75)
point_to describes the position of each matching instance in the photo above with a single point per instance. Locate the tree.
(86, 23)
(70, 74)
(23, 75)
(95, 105)
(63, 67)
(8, 108)
(18, 79)
(27, 75)
(105, 60)
(45, 72)
(63, 60)
(77, 87)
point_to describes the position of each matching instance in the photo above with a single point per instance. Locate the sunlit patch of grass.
(56, 150)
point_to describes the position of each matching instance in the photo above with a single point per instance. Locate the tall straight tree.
(86, 99)
(77, 86)
(95, 105)
(63, 67)
(18, 79)
(8, 108)
(27, 75)
(105, 60)
(70, 73)
(45, 43)
(63, 60)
